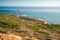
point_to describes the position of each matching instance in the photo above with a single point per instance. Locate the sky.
(38, 3)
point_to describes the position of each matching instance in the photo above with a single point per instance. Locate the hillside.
(28, 29)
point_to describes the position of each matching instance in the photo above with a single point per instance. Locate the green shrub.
(34, 27)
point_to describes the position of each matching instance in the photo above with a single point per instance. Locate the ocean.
(49, 14)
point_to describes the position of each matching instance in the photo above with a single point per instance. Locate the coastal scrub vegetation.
(11, 21)
(28, 27)
(7, 21)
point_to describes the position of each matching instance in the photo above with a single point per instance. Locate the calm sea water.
(49, 14)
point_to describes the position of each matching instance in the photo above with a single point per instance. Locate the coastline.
(28, 28)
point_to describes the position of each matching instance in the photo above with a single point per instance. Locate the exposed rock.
(32, 38)
(9, 37)
(45, 22)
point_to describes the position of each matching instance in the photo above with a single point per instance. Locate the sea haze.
(49, 14)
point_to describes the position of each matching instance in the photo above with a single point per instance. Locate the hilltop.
(28, 29)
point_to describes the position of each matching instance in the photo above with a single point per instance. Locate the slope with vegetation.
(28, 29)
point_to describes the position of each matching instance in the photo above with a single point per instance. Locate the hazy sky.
(47, 3)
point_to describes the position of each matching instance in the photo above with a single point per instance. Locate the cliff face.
(24, 28)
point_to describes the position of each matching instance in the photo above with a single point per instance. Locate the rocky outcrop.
(45, 22)
(9, 37)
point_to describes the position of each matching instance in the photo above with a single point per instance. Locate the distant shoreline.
(30, 18)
